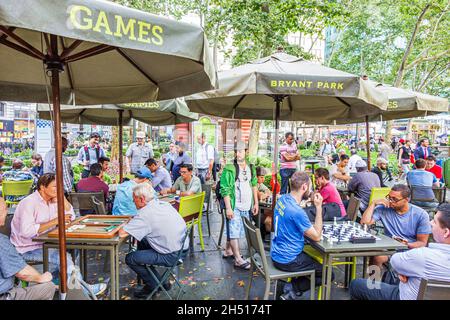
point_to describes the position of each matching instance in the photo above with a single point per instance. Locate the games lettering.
(84, 18)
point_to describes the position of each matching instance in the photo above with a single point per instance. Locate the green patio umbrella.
(95, 52)
(167, 112)
(403, 104)
(284, 87)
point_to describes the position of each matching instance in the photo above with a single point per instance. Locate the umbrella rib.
(4, 36)
(134, 64)
(237, 103)
(344, 102)
(69, 49)
(22, 42)
(89, 53)
(21, 49)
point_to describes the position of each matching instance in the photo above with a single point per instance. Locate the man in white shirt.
(354, 158)
(204, 159)
(160, 230)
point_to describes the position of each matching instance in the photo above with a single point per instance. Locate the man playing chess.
(291, 226)
(402, 220)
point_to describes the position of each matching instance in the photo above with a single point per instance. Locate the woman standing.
(404, 154)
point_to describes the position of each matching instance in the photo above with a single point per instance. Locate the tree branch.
(432, 58)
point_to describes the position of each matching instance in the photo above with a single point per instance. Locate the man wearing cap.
(238, 188)
(123, 202)
(362, 183)
(383, 172)
(139, 152)
(90, 154)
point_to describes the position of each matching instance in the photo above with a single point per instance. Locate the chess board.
(346, 231)
(94, 226)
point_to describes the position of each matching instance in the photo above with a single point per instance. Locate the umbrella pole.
(54, 66)
(368, 143)
(278, 100)
(120, 146)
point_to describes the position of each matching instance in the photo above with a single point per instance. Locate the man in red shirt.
(327, 189)
(94, 182)
(433, 167)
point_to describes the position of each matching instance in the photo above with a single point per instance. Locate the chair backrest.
(255, 246)
(440, 194)
(16, 188)
(418, 192)
(207, 188)
(378, 193)
(191, 207)
(99, 206)
(434, 290)
(6, 228)
(353, 208)
(83, 200)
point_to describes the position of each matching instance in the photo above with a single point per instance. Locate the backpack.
(217, 191)
(329, 212)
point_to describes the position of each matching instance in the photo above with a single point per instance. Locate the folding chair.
(265, 265)
(429, 204)
(191, 209)
(82, 201)
(353, 208)
(169, 271)
(378, 193)
(434, 290)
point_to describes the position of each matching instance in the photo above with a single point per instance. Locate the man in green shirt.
(239, 192)
(187, 184)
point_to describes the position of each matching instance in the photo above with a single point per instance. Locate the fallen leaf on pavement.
(241, 283)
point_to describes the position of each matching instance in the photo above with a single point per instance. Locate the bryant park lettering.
(307, 84)
(83, 18)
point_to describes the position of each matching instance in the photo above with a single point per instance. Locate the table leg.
(324, 278)
(364, 267)
(45, 257)
(117, 271)
(329, 272)
(112, 261)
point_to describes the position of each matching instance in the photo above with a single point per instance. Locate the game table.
(91, 237)
(386, 246)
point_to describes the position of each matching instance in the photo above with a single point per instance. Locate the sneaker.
(98, 288)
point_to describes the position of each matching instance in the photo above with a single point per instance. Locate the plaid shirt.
(50, 167)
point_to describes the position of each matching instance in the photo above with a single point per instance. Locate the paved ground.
(206, 275)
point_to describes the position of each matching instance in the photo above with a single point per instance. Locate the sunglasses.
(394, 200)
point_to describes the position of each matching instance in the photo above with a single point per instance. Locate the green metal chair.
(379, 193)
(16, 189)
(191, 209)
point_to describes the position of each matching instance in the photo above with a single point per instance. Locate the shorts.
(235, 226)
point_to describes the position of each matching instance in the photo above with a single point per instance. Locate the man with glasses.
(187, 184)
(138, 152)
(402, 220)
(430, 263)
(90, 154)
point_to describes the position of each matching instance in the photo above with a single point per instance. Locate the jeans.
(201, 173)
(146, 255)
(285, 174)
(302, 262)
(365, 289)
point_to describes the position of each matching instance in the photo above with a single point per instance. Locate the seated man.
(18, 174)
(13, 265)
(161, 177)
(185, 185)
(339, 172)
(430, 263)
(362, 183)
(425, 181)
(383, 172)
(123, 202)
(263, 194)
(94, 182)
(327, 189)
(104, 162)
(433, 167)
(291, 227)
(38, 165)
(405, 221)
(160, 230)
(37, 214)
(354, 158)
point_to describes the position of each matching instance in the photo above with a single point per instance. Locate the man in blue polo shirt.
(425, 181)
(291, 226)
(403, 221)
(429, 263)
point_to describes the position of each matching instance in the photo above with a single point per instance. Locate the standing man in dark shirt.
(362, 183)
(13, 265)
